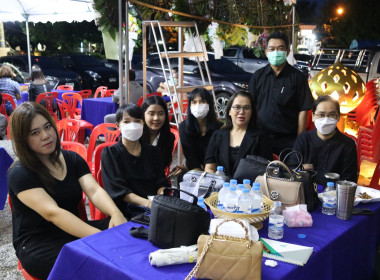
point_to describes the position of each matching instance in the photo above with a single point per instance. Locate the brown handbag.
(287, 190)
(228, 258)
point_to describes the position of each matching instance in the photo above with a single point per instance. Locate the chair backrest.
(110, 133)
(72, 98)
(100, 91)
(141, 100)
(98, 153)
(108, 93)
(65, 87)
(176, 134)
(86, 93)
(79, 148)
(8, 97)
(65, 110)
(68, 130)
(48, 97)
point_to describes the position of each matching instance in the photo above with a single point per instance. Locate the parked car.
(53, 71)
(303, 62)
(227, 78)
(93, 71)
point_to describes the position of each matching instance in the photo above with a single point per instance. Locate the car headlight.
(242, 85)
(93, 74)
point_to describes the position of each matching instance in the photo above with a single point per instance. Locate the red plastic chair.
(86, 93)
(79, 148)
(111, 134)
(6, 97)
(100, 90)
(65, 87)
(108, 93)
(368, 143)
(99, 214)
(176, 139)
(49, 99)
(68, 130)
(375, 177)
(73, 98)
(141, 100)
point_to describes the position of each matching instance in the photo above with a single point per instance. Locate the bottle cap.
(241, 186)
(256, 184)
(247, 181)
(201, 199)
(330, 184)
(233, 181)
(219, 168)
(232, 189)
(301, 235)
(246, 190)
(256, 188)
(226, 185)
(277, 203)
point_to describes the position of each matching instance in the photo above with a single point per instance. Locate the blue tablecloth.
(24, 95)
(342, 250)
(94, 109)
(5, 162)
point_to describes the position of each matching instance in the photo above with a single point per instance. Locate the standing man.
(282, 95)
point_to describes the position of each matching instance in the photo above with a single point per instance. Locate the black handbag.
(175, 222)
(250, 167)
(294, 160)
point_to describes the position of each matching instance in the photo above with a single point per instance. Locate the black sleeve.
(21, 179)
(252, 89)
(161, 180)
(32, 93)
(189, 151)
(350, 163)
(114, 182)
(305, 99)
(79, 164)
(265, 147)
(212, 149)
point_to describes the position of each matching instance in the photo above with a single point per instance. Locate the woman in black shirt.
(39, 84)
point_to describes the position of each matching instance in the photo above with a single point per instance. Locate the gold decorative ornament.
(341, 83)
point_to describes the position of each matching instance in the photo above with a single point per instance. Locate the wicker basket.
(254, 219)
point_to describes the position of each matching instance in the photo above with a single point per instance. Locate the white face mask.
(132, 131)
(200, 110)
(325, 125)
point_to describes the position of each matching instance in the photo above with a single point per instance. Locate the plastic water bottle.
(201, 203)
(247, 183)
(219, 170)
(329, 199)
(231, 200)
(233, 183)
(240, 188)
(257, 199)
(276, 222)
(245, 202)
(222, 193)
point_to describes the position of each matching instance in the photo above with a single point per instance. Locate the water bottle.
(247, 183)
(231, 200)
(240, 188)
(222, 194)
(257, 199)
(201, 203)
(276, 222)
(329, 199)
(219, 170)
(233, 183)
(245, 202)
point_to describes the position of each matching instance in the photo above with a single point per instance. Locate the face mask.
(132, 131)
(200, 110)
(325, 125)
(276, 58)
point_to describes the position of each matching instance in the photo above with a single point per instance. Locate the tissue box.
(297, 216)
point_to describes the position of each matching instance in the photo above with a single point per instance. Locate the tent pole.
(28, 44)
(120, 55)
(127, 50)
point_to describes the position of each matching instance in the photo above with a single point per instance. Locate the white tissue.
(234, 229)
(183, 254)
(299, 207)
(271, 263)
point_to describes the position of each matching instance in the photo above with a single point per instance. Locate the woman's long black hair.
(166, 140)
(191, 121)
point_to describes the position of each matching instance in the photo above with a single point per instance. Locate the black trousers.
(39, 254)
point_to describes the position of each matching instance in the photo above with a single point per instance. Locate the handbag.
(228, 258)
(175, 222)
(250, 167)
(299, 174)
(201, 183)
(289, 191)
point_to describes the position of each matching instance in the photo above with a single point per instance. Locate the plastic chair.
(99, 214)
(368, 143)
(176, 139)
(108, 93)
(111, 134)
(72, 98)
(65, 87)
(141, 100)
(86, 93)
(68, 130)
(49, 97)
(79, 148)
(100, 90)
(6, 97)
(375, 177)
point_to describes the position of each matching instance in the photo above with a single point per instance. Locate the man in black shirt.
(282, 95)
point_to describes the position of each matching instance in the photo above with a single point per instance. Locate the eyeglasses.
(237, 108)
(332, 115)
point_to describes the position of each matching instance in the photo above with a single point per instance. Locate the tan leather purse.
(287, 190)
(228, 258)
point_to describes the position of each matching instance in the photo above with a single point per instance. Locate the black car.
(227, 78)
(93, 71)
(52, 70)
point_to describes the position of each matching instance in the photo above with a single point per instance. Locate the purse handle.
(209, 242)
(291, 152)
(195, 199)
(283, 165)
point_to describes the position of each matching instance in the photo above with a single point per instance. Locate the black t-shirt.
(337, 154)
(28, 225)
(35, 90)
(279, 99)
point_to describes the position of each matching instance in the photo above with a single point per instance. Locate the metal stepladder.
(176, 92)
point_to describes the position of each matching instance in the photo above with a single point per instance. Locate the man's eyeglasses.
(332, 115)
(237, 108)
